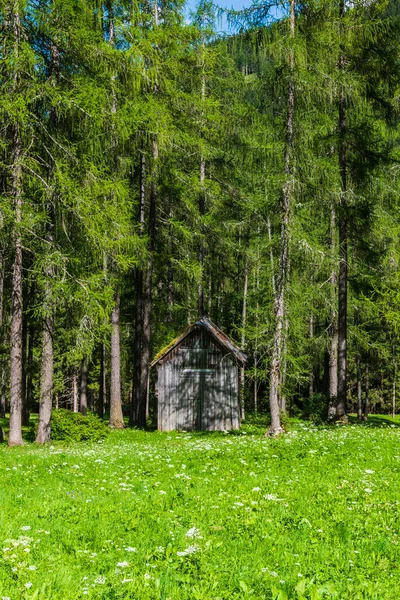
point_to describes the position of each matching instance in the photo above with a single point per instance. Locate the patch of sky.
(223, 24)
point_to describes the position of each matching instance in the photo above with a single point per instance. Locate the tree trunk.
(333, 345)
(103, 382)
(243, 340)
(75, 392)
(202, 210)
(15, 435)
(366, 405)
(84, 384)
(3, 337)
(138, 341)
(3, 398)
(343, 265)
(141, 377)
(116, 417)
(394, 382)
(281, 284)
(46, 378)
(311, 375)
(28, 399)
(359, 392)
(24, 411)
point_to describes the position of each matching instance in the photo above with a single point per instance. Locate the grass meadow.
(179, 516)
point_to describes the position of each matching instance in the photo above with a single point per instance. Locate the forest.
(154, 170)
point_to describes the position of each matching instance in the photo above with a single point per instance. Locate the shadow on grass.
(376, 421)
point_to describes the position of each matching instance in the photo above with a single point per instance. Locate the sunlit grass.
(144, 515)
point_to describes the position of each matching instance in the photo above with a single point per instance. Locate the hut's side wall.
(198, 387)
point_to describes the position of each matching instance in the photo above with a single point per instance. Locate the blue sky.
(235, 4)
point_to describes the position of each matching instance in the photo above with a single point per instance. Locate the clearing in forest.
(313, 514)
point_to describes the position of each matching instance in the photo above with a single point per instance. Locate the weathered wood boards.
(198, 381)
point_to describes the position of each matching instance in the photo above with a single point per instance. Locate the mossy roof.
(219, 336)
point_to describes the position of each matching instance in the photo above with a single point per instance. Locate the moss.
(171, 344)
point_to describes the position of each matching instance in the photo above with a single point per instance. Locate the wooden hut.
(198, 380)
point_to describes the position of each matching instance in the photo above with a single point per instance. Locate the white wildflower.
(25, 528)
(130, 549)
(193, 532)
(123, 564)
(189, 550)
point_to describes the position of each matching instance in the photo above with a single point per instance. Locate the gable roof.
(219, 336)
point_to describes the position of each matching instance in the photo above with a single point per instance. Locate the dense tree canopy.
(152, 171)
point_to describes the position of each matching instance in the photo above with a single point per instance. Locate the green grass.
(314, 514)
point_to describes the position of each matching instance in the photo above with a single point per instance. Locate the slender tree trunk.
(281, 284)
(103, 381)
(359, 392)
(46, 378)
(271, 257)
(333, 345)
(243, 340)
(202, 210)
(3, 336)
(394, 382)
(116, 417)
(15, 435)
(29, 374)
(84, 384)
(311, 375)
(3, 398)
(138, 340)
(343, 264)
(25, 411)
(141, 379)
(47, 368)
(2, 275)
(75, 391)
(366, 405)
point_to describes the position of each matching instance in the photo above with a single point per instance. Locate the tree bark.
(103, 382)
(141, 375)
(75, 391)
(333, 345)
(343, 264)
(366, 405)
(3, 398)
(46, 378)
(281, 284)
(311, 375)
(15, 434)
(28, 396)
(47, 368)
(394, 382)
(3, 337)
(359, 391)
(138, 340)
(243, 340)
(84, 384)
(202, 210)
(116, 416)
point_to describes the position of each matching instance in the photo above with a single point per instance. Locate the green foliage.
(74, 427)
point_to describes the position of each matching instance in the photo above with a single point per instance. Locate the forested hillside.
(152, 172)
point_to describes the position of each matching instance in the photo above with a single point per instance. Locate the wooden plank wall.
(198, 387)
